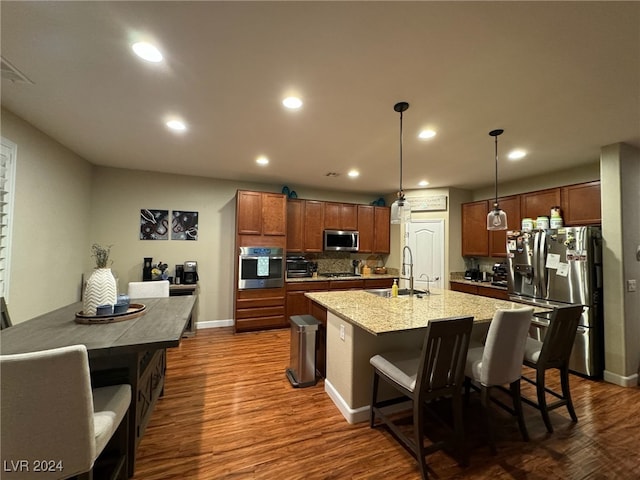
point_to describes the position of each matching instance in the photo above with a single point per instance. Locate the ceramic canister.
(527, 224)
(542, 223)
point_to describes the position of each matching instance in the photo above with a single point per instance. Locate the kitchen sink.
(386, 292)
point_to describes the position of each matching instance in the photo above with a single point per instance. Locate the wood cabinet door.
(340, 216)
(249, 213)
(332, 216)
(581, 204)
(365, 228)
(313, 225)
(536, 204)
(348, 216)
(498, 239)
(475, 238)
(381, 230)
(274, 214)
(295, 225)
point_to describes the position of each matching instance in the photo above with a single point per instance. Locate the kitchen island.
(361, 324)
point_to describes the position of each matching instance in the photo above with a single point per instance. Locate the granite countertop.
(477, 283)
(379, 315)
(320, 278)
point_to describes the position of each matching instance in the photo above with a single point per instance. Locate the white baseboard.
(351, 415)
(214, 324)
(630, 381)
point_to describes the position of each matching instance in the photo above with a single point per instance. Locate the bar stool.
(422, 376)
(499, 362)
(50, 412)
(553, 352)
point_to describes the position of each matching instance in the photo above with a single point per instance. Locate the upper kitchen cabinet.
(295, 225)
(537, 204)
(305, 225)
(498, 239)
(581, 204)
(475, 241)
(261, 213)
(373, 227)
(340, 216)
(313, 225)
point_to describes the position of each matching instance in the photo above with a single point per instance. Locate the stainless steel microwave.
(341, 240)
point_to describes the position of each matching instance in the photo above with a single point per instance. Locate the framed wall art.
(154, 224)
(184, 225)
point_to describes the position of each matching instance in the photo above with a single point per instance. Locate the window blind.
(7, 187)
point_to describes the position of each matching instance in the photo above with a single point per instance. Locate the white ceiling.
(562, 79)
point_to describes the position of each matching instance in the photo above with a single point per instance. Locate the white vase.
(100, 290)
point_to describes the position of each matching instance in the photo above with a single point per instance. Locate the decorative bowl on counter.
(380, 270)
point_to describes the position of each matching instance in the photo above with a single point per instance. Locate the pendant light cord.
(496, 202)
(401, 192)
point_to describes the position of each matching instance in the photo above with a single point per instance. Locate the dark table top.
(160, 327)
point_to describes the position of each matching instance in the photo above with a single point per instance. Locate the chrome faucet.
(410, 265)
(435, 279)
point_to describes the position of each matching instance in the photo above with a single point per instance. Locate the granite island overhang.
(361, 324)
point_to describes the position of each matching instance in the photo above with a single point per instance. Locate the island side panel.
(349, 373)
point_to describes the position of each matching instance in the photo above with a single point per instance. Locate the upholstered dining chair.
(155, 289)
(499, 362)
(553, 352)
(5, 319)
(50, 414)
(422, 376)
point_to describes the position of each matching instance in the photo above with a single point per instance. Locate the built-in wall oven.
(260, 267)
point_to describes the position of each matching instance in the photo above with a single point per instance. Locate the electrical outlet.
(342, 332)
(631, 285)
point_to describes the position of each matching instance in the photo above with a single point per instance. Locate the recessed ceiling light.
(176, 125)
(147, 52)
(262, 160)
(353, 173)
(292, 103)
(423, 183)
(517, 154)
(426, 134)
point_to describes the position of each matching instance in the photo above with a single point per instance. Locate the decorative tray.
(135, 310)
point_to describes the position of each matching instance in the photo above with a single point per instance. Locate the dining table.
(131, 350)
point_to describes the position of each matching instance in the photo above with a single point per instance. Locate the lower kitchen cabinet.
(260, 309)
(481, 290)
(297, 303)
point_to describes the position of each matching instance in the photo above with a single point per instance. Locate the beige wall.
(620, 166)
(51, 221)
(117, 197)
(63, 204)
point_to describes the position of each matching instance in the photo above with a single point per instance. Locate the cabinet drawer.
(464, 287)
(260, 323)
(260, 312)
(307, 286)
(493, 293)
(259, 302)
(346, 284)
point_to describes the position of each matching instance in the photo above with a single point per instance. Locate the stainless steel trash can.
(302, 366)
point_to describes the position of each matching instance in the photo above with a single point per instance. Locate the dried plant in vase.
(101, 287)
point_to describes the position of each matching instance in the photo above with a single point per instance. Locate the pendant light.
(496, 218)
(400, 209)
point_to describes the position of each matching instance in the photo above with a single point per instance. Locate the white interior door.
(426, 240)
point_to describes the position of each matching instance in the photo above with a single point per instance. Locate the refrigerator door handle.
(542, 259)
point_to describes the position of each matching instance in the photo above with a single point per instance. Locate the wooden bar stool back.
(437, 371)
(553, 352)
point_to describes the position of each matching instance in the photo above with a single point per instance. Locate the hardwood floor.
(228, 412)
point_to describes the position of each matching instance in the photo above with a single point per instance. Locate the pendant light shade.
(496, 218)
(400, 209)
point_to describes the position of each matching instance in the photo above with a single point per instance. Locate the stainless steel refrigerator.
(559, 267)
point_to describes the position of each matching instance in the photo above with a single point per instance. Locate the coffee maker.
(179, 274)
(190, 272)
